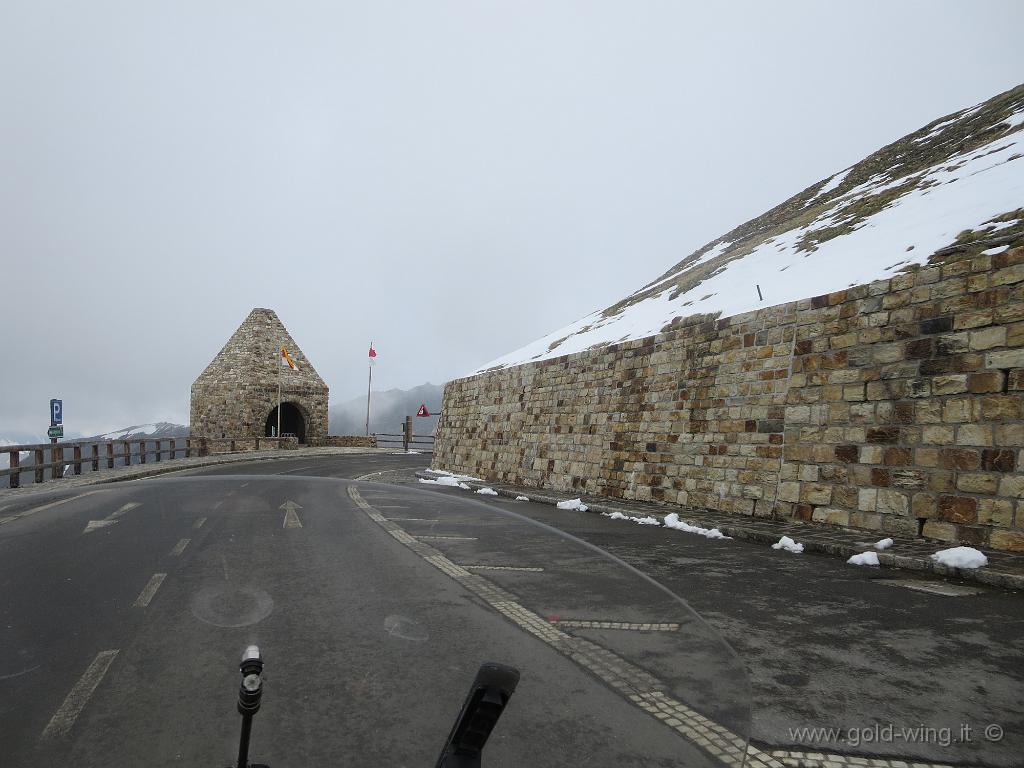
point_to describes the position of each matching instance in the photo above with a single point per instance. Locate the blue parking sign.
(56, 412)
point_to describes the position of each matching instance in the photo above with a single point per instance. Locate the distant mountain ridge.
(388, 410)
(954, 188)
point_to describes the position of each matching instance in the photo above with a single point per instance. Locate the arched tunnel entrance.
(292, 422)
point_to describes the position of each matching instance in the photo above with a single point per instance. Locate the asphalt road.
(125, 608)
(371, 645)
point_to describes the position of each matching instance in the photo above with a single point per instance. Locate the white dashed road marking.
(52, 504)
(149, 590)
(76, 700)
(446, 538)
(199, 523)
(180, 547)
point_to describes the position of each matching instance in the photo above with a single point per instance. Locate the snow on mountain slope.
(161, 429)
(955, 186)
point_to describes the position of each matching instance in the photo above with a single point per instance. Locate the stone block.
(971, 482)
(868, 520)
(998, 460)
(867, 499)
(1012, 485)
(816, 494)
(959, 458)
(974, 434)
(987, 338)
(924, 505)
(1007, 541)
(1002, 408)
(831, 516)
(890, 502)
(958, 509)
(1006, 358)
(997, 512)
(980, 383)
(789, 492)
(938, 435)
(933, 529)
(952, 384)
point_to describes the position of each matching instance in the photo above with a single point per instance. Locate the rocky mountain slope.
(953, 188)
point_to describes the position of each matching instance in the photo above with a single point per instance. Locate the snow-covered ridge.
(961, 174)
(161, 429)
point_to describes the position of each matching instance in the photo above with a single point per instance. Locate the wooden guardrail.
(51, 456)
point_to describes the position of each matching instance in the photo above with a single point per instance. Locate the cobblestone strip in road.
(631, 682)
(795, 759)
(581, 624)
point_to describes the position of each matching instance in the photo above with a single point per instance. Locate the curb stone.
(825, 541)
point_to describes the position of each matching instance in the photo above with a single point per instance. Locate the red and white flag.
(373, 353)
(286, 359)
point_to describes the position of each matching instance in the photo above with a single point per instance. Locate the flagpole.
(279, 373)
(369, 381)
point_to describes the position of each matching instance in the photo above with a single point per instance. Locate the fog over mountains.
(387, 411)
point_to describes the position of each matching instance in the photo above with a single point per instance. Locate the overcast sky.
(450, 180)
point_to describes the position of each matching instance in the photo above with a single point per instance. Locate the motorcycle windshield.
(373, 607)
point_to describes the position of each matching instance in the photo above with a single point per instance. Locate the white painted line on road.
(218, 503)
(291, 519)
(243, 485)
(180, 547)
(110, 519)
(125, 508)
(76, 700)
(19, 674)
(525, 569)
(413, 519)
(630, 681)
(149, 590)
(52, 504)
(297, 469)
(446, 538)
(224, 565)
(198, 523)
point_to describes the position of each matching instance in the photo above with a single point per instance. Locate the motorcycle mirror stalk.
(488, 696)
(250, 692)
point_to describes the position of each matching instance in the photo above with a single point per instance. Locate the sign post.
(56, 420)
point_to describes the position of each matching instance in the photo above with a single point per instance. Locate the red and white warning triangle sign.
(423, 410)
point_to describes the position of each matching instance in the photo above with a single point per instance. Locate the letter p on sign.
(56, 412)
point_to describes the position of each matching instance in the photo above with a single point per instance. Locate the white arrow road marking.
(76, 700)
(291, 519)
(110, 519)
(149, 590)
(180, 547)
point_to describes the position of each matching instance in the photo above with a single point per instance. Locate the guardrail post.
(56, 461)
(204, 447)
(174, 449)
(127, 448)
(407, 433)
(110, 455)
(231, 446)
(257, 443)
(77, 453)
(95, 457)
(39, 465)
(159, 442)
(142, 451)
(15, 464)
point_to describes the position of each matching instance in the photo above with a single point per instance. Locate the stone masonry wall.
(896, 407)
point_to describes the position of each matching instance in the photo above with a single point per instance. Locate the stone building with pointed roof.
(236, 396)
